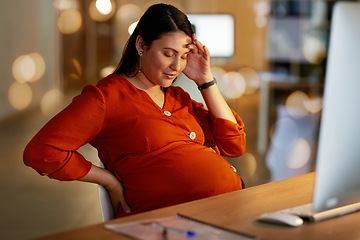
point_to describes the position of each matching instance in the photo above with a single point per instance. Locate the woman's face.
(166, 58)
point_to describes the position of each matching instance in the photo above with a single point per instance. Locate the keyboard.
(305, 210)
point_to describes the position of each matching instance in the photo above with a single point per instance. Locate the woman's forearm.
(216, 104)
(100, 176)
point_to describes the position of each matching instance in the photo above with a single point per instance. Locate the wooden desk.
(238, 211)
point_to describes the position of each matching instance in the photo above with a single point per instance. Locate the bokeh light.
(232, 85)
(289, 127)
(218, 72)
(40, 66)
(127, 17)
(20, 95)
(261, 10)
(77, 74)
(132, 27)
(295, 104)
(28, 68)
(128, 13)
(314, 104)
(250, 163)
(69, 21)
(101, 10)
(23, 68)
(252, 79)
(62, 5)
(51, 102)
(300, 154)
(77, 66)
(106, 71)
(314, 50)
(104, 6)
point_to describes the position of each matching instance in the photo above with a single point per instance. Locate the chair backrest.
(107, 210)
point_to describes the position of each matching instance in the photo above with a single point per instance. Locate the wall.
(250, 40)
(27, 27)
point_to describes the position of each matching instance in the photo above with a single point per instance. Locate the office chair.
(107, 210)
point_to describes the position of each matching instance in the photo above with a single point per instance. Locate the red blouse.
(162, 156)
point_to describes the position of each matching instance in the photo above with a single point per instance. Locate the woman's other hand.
(105, 178)
(116, 192)
(198, 63)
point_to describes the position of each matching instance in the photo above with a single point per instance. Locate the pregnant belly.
(183, 174)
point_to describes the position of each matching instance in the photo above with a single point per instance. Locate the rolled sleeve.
(230, 137)
(224, 136)
(75, 169)
(53, 150)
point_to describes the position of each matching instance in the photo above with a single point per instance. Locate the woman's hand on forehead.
(198, 62)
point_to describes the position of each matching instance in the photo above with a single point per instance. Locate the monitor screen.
(216, 32)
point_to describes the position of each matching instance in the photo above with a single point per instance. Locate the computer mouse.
(281, 218)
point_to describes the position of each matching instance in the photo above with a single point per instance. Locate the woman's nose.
(175, 65)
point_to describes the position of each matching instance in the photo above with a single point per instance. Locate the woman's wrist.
(111, 182)
(203, 80)
(207, 84)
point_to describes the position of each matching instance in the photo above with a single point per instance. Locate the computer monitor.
(338, 159)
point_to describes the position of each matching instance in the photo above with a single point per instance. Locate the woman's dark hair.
(157, 20)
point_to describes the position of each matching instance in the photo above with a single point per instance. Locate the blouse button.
(167, 113)
(192, 135)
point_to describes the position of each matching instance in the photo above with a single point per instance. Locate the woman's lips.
(170, 76)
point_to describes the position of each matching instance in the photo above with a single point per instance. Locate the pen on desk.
(171, 230)
(164, 234)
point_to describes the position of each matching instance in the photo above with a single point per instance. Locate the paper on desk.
(144, 230)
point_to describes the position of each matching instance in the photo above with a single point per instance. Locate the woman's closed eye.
(172, 54)
(169, 54)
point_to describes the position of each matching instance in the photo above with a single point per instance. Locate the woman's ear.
(140, 45)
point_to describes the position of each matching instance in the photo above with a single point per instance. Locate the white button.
(234, 169)
(192, 135)
(167, 113)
